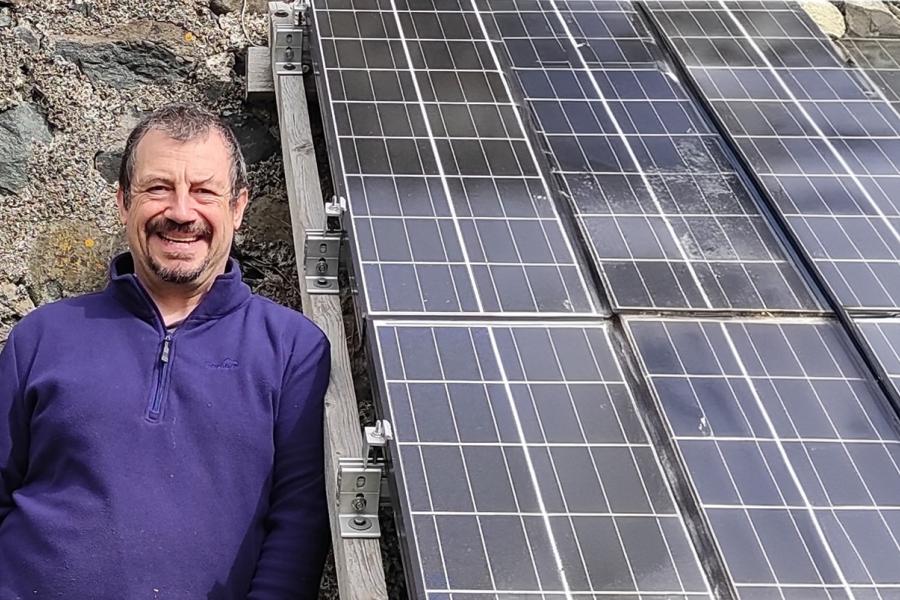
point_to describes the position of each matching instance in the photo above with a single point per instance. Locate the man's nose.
(181, 209)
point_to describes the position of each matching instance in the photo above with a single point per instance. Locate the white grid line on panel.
(768, 244)
(834, 151)
(521, 124)
(569, 513)
(633, 157)
(527, 447)
(829, 508)
(548, 527)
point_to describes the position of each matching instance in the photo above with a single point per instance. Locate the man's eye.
(157, 189)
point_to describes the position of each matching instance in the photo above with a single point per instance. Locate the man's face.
(180, 221)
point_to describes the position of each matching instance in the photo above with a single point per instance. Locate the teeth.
(185, 241)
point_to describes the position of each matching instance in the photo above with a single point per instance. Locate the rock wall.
(75, 77)
(855, 18)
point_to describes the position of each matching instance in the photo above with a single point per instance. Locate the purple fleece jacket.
(140, 464)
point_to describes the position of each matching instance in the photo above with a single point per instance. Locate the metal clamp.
(322, 255)
(359, 485)
(288, 49)
(322, 251)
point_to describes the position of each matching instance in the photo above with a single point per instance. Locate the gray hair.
(184, 122)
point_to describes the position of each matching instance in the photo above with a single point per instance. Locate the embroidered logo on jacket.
(228, 363)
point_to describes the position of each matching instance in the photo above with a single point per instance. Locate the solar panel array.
(826, 151)
(496, 155)
(667, 218)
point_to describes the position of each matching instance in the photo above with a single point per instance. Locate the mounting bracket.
(288, 49)
(322, 251)
(359, 485)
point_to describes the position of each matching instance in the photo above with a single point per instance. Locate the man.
(163, 438)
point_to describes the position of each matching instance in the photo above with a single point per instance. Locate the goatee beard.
(161, 226)
(177, 276)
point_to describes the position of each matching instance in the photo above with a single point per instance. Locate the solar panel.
(524, 467)
(883, 337)
(667, 218)
(448, 209)
(791, 449)
(826, 149)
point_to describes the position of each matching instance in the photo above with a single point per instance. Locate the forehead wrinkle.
(211, 179)
(154, 177)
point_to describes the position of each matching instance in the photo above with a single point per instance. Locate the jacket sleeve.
(297, 529)
(14, 428)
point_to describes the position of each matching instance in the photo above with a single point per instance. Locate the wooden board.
(260, 85)
(360, 572)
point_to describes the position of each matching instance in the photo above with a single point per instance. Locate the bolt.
(322, 267)
(360, 481)
(289, 54)
(281, 13)
(306, 68)
(360, 523)
(289, 66)
(359, 503)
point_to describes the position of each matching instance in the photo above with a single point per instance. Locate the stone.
(827, 16)
(223, 7)
(26, 35)
(14, 299)
(870, 18)
(126, 64)
(220, 66)
(107, 164)
(6, 19)
(69, 257)
(253, 135)
(894, 8)
(20, 128)
(84, 8)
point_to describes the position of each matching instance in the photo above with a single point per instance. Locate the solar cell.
(524, 466)
(449, 212)
(666, 216)
(821, 142)
(879, 58)
(883, 336)
(791, 449)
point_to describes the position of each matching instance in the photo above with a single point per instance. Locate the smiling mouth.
(184, 241)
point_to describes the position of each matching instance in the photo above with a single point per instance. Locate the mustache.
(163, 225)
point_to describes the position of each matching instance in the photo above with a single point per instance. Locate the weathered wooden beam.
(260, 85)
(360, 572)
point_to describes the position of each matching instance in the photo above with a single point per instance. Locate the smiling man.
(163, 438)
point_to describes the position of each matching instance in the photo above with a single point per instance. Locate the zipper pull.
(167, 343)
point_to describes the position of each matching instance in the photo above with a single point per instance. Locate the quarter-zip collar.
(227, 293)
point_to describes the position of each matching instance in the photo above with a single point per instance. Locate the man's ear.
(239, 206)
(120, 204)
